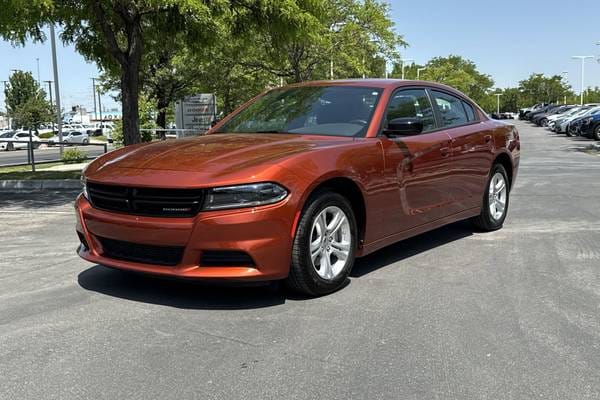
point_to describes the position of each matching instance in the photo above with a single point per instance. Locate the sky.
(507, 39)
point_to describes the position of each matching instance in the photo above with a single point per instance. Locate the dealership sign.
(194, 114)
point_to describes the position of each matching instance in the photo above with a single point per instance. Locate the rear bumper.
(263, 233)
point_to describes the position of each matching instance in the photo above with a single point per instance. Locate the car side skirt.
(369, 248)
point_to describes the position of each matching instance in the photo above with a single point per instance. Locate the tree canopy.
(26, 101)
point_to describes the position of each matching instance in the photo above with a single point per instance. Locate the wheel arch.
(346, 187)
(506, 161)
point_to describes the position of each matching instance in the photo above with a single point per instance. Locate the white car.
(73, 136)
(12, 140)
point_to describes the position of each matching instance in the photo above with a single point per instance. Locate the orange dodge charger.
(298, 182)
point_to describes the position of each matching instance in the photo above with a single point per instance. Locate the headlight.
(84, 187)
(257, 194)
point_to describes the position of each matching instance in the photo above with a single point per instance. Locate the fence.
(31, 145)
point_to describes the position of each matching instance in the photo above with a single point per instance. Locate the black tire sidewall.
(596, 132)
(491, 222)
(301, 255)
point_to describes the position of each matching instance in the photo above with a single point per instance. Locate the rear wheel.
(544, 122)
(324, 247)
(495, 200)
(85, 141)
(10, 147)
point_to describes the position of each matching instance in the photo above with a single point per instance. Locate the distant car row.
(569, 119)
(71, 133)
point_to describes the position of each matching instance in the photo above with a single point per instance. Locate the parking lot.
(451, 314)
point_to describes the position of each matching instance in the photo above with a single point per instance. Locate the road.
(45, 154)
(451, 314)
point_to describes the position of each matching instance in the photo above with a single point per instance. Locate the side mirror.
(404, 127)
(215, 121)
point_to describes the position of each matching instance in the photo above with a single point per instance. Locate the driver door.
(418, 163)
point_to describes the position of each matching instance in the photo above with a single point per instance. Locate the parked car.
(11, 140)
(299, 182)
(524, 112)
(575, 125)
(542, 119)
(70, 136)
(562, 125)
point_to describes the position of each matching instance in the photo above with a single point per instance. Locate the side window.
(411, 103)
(470, 112)
(451, 108)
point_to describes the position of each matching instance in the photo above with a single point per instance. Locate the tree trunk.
(130, 98)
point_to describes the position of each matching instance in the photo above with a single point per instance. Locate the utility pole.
(50, 93)
(498, 102)
(404, 65)
(6, 104)
(100, 108)
(56, 87)
(582, 58)
(94, 95)
(419, 72)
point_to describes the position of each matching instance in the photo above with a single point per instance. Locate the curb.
(40, 184)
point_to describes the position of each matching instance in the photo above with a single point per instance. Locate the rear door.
(472, 149)
(418, 163)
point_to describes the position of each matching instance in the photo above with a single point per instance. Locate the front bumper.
(264, 233)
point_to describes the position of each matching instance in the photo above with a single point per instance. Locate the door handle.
(488, 138)
(445, 151)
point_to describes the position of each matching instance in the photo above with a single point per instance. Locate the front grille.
(219, 258)
(146, 201)
(142, 253)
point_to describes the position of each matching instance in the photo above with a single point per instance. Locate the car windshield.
(7, 135)
(311, 110)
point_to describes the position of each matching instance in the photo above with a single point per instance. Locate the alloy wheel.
(330, 242)
(497, 192)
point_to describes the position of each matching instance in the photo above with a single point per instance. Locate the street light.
(56, 87)
(335, 27)
(419, 72)
(404, 65)
(498, 102)
(565, 74)
(582, 58)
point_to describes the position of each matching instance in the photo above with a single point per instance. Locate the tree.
(26, 101)
(350, 34)
(115, 33)
(540, 88)
(459, 73)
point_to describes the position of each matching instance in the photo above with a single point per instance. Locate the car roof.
(375, 83)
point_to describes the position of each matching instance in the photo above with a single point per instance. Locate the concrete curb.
(40, 184)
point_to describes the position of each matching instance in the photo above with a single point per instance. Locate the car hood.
(211, 156)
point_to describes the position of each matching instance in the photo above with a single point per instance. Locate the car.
(13, 140)
(590, 127)
(532, 116)
(524, 112)
(543, 118)
(70, 136)
(575, 124)
(562, 125)
(298, 183)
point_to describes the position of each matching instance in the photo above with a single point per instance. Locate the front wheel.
(324, 247)
(10, 146)
(495, 200)
(596, 133)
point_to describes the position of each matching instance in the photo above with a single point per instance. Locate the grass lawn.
(23, 172)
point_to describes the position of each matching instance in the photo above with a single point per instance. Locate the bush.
(73, 156)
(117, 133)
(46, 135)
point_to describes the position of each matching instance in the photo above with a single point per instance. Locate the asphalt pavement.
(46, 154)
(451, 314)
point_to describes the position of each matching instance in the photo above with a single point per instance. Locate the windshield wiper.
(270, 131)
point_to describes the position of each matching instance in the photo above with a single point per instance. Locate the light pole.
(498, 102)
(56, 87)
(565, 74)
(6, 104)
(335, 27)
(404, 65)
(419, 72)
(582, 58)
(37, 60)
(50, 94)
(94, 96)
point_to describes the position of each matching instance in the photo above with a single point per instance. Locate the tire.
(596, 132)
(85, 141)
(310, 275)
(487, 220)
(10, 146)
(544, 122)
